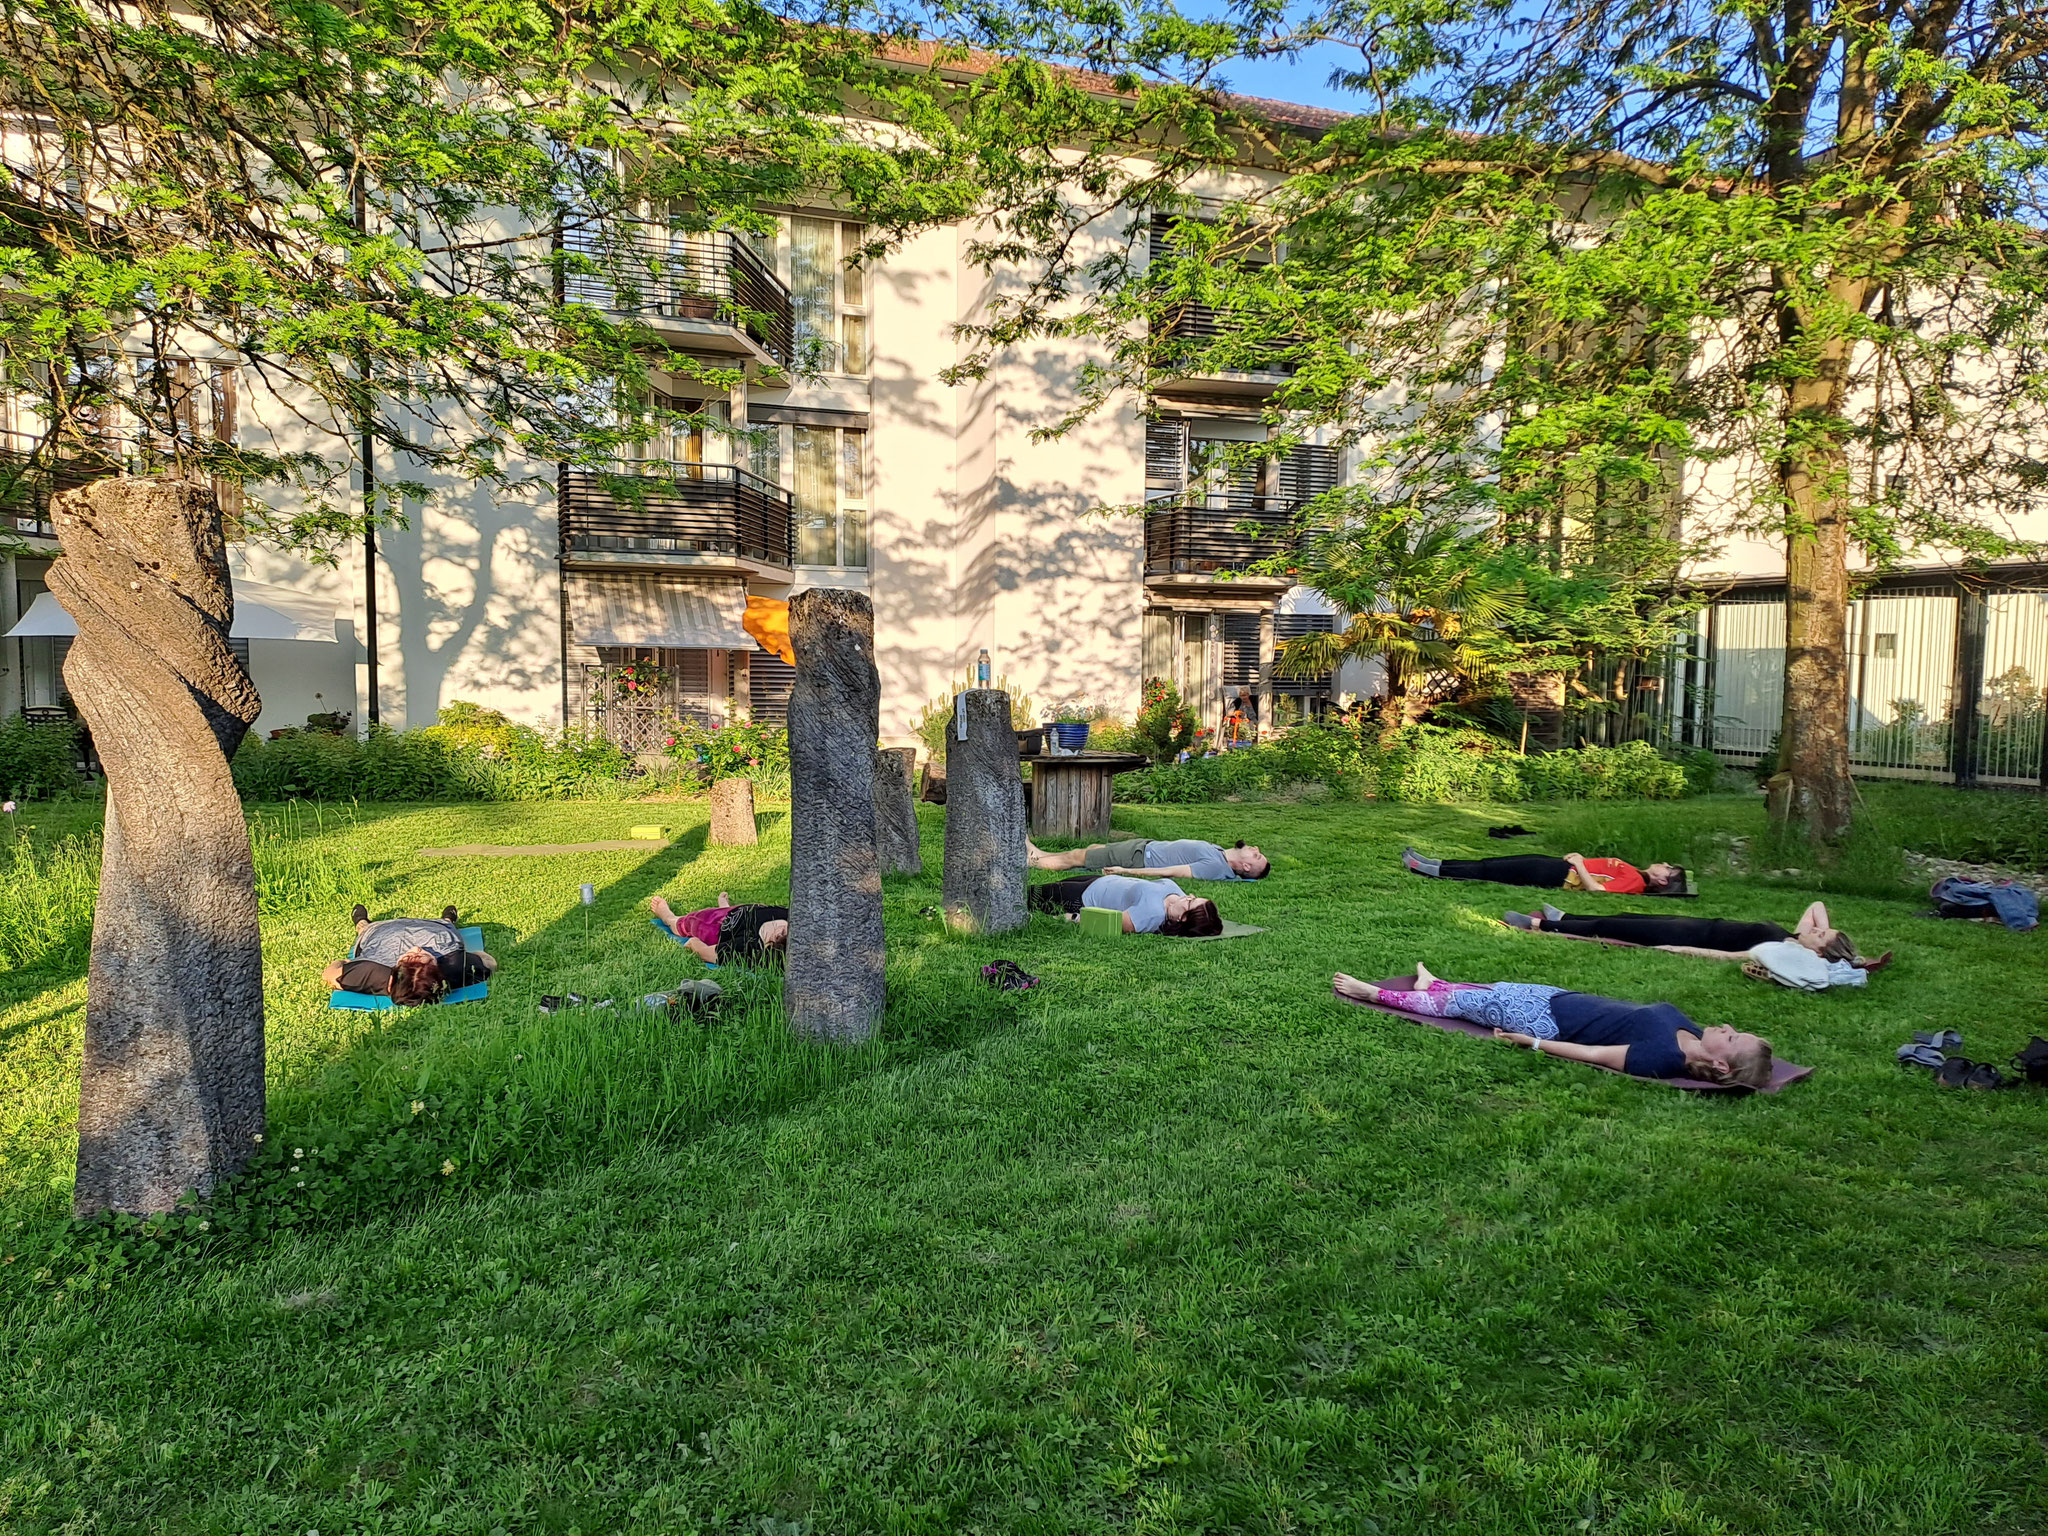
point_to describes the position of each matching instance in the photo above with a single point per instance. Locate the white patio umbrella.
(262, 612)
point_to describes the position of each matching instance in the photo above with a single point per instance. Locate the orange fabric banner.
(767, 620)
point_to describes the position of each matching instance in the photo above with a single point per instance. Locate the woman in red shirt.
(1574, 872)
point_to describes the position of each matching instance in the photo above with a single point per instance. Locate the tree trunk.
(833, 987)
(171, 1091)
(1813, 740)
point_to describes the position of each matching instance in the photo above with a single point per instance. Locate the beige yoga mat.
(540, 850)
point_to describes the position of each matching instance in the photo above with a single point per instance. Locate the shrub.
(938, 715)
(37, 759)
(706, 754)
(476, 758)
(1165, 726)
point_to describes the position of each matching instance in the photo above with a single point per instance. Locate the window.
(828, 291)
(829, 482)
(1885, 645)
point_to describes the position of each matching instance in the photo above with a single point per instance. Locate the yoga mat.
(370, 1002)
(538, 850)
(1108, 923)
(708, 965)
(1230, 931)
(1583, 938)
(1783, 1073)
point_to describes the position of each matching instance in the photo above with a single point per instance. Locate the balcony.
(712, 289)
(715, 515)
(1192, 540)
(1200, 336)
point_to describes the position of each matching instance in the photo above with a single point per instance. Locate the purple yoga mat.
(1783, 1073)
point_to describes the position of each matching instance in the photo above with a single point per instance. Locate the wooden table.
(1070, 791)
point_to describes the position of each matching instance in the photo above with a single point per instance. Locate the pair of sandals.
(1929, 1049)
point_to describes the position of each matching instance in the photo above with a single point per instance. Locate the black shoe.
(448, 913)
(1514, 830)
(360, 915)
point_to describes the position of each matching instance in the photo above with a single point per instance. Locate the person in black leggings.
(1714, 938)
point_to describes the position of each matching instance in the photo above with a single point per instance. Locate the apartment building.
(872, 474)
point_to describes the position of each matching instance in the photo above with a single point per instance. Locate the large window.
(828, 291)
(829, 481)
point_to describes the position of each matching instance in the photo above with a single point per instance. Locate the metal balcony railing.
(648, 269)
(1192, 534)
(658, 508)
(1201, 332)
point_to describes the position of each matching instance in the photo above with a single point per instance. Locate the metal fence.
(1946, 682)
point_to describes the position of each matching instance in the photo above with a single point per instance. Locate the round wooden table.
(1070, 791)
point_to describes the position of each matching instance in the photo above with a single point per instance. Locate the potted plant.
(1070, 723)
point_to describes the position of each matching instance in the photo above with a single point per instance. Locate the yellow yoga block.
(649, 834)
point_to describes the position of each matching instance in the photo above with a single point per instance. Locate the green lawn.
(1174, 1244)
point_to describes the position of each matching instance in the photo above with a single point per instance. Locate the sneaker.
(1521, 920)
(1552, 914)
(361, 914)
(448, 913)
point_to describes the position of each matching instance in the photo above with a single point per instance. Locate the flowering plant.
(1165, 726)
(637, 679)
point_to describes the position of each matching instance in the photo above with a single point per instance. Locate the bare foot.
(1353, 988)
(661, 909)
(724, 900)
(1422, 977)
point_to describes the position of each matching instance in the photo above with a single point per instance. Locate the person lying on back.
(747, 932)
(1641, 1039)
(1148, 906)
(411, 960)
(1711, 938)
(1574, 871)
(1187, 858)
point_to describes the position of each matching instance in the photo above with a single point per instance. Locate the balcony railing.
(646, 269)
(654, 508)
(1203, 335)
(1193, 535)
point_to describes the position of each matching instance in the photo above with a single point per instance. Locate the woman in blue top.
(1148, 906)
(1641, 1039)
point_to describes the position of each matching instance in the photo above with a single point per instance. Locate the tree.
(1426, 601)
(375, 218)
(1565, 249)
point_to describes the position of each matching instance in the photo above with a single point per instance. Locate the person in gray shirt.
(1187, 858)
(410, 960)
(1148, 906)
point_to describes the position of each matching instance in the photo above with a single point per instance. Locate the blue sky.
(1304, 78)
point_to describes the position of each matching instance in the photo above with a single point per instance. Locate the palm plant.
(1429, 601)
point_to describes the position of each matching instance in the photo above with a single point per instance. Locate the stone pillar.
(896, 840)
(984, 882)
(833, 988)
(732, 813)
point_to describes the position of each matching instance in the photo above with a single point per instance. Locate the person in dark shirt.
(749, 931)
(1713, 938)
(411, 960)
(1641, 1039)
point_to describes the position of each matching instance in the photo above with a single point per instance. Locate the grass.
(1173, 1244)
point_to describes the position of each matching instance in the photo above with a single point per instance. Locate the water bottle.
(589, 895)
(981, 669)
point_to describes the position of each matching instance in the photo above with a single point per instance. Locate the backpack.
(2032, 1061)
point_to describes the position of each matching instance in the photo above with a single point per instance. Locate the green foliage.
(37, 759)
(471, 760)
(47, 894)
(1165, 727)
(1417, 764)
(937, 717)
(751, 750)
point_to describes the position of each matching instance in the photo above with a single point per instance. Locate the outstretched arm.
(332, 976)
(1170, 872)
(1704, 954)
(1615, 1056)
(708, 953)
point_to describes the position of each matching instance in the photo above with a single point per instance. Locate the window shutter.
(1309, 471)
(1166, 457)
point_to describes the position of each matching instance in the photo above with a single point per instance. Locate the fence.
(1946, 681)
